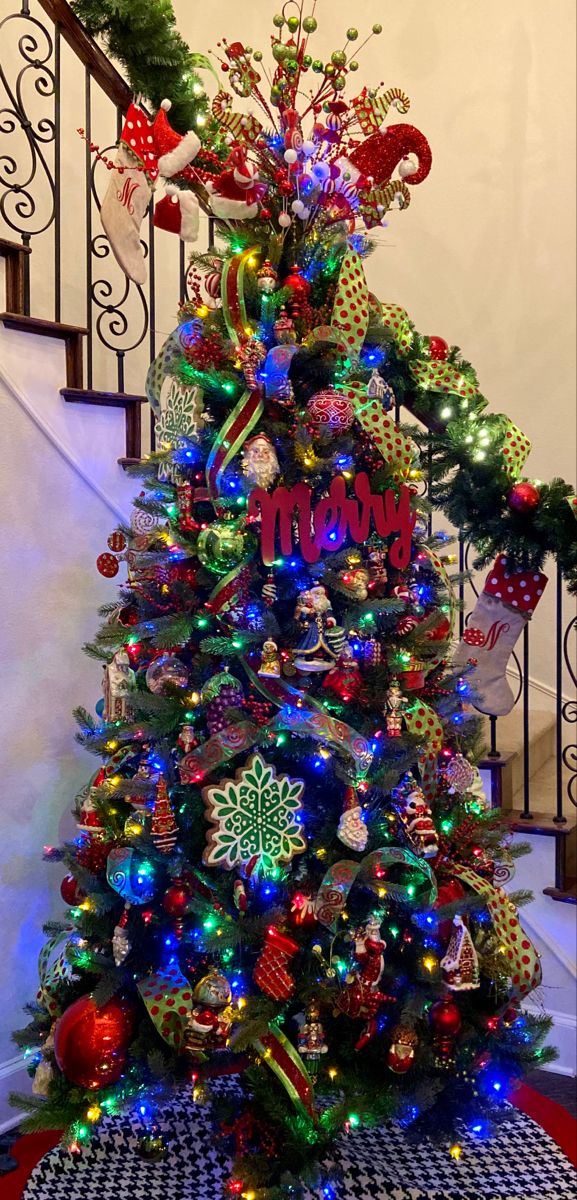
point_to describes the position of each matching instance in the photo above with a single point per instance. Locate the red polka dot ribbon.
(516, 448)
(442, 377)
(398, 321)
(168, 1000)
(422, 721)
(520, 955)
(351, 308)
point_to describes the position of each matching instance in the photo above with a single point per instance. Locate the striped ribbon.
(288, 1066)
(232, 295)
(237, 427)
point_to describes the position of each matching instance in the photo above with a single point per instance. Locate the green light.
(340, 965)
(82, 1132)
(172, 510)
(275, 873)
(411, 890)
(281, 739)
(353, 1120)
(394, 931)
(228, 387)
(202, 622)
(446, 826)
(189, 716)
(209, 924)
(241, 501)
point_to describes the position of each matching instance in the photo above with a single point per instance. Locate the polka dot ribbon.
(53, 969)
(167, 997)
(518, 950)
(442, 377)
(351, 307)
(371, 110)
(516, 449)
(422, 721)
(398, 321)
(394, 447)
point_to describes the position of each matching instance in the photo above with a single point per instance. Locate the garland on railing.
(142, 36)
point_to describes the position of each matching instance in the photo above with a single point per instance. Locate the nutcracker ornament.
(210, 1019)
(311, 1039)
(460, 964)
(320, 647)
(378, 576)
(397, 705)
(118, 680)
(401, 1054)
(416, 818)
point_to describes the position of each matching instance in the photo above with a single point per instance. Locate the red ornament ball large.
(90, 1043)
(445, 1017)
(438, 348)
(524, 497)
(297, 285)
(70, 891)
(330, 412)
(176, 898)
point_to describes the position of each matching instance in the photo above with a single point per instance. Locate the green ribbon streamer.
(213, 474)
(288, 1066)
(232, 279)
(339, 879)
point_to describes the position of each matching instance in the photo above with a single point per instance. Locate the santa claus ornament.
(235, 194)
(352, 831)
(416, 819)
(209, 1021)
(401, 1053)
(260, 464)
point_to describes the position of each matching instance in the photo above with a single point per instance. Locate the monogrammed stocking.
(507, 602)
(122, 213)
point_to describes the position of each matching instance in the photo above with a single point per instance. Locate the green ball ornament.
(221, 547)
(330, 70)
(293, 24)
(291, 65)
(339, 58)
(280, 51)
(278, 20)
(377, 28)
(317, 65)
(275, 95)
(257, 56)
(307, 61)
(339, 83)
(353, 65)
(310, 24)
(352, 35)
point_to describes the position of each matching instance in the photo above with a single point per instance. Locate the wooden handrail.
(102, 71)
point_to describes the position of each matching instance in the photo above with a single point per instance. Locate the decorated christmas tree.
(286, 869)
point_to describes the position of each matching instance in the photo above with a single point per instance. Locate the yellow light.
(241, 1003)
(86, 905)
(333, 1072)
(164, 589)
(251, 262)
(203, 311)
(324, 753)
(456, 1151)
(194, 698)
(320, 853)
(382, 892)
(429, 963)
(249, 1196)
(112, 745)
(115, 780)
(345, 915)
(93, 1113)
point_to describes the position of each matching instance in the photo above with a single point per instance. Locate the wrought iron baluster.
(527, 814)
(569, 708)
(88, 220)
(152, 308)
(58, 194)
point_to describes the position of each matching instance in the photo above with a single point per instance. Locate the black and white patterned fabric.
(520, 1163)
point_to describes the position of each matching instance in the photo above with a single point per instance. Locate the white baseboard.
(563, 1036)
(10, 1067)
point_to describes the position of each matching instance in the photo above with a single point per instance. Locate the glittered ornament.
(121, 944)
(176, 898)
(524, 497)
(166, 671)
(438, 348)
(90, 1042)
(446, 1021)
(221, 546)
(222, 692)
(459, 773)
(267, 278)
(299, 288)
(163, 829)
(151, 1147)
(330, 412)
(401, 1054)
(460, 964)
(271, 972)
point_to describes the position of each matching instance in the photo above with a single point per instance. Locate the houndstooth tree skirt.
(520, 1163)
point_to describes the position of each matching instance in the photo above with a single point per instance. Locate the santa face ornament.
(260, 464)
(417, 822)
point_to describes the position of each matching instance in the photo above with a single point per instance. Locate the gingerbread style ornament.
(255, 818)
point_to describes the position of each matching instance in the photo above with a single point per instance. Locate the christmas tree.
(286, 867)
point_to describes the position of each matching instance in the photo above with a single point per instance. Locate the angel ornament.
(118, 680)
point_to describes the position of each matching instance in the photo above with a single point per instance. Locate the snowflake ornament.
(255, 818)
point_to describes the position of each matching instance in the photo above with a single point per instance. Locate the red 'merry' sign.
(327, 524)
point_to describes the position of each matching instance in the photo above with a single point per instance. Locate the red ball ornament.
(176, 898)
(523, 497)
(445, 1019)
(90, 1043)
(330, 412)
(438, 348)
(70, 891)
(298, 286)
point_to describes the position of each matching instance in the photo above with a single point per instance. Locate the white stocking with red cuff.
(507, 602)
(122, 213)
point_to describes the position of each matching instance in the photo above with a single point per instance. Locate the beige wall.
(485, 256)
